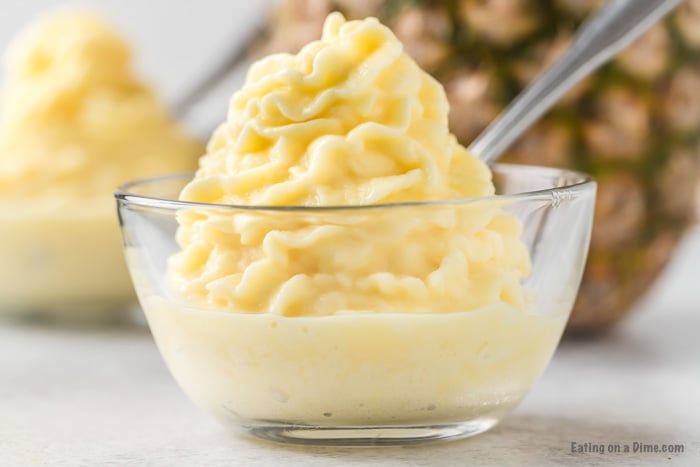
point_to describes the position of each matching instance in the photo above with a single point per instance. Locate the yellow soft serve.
(75, 122)
(350, 120)
(342, 262)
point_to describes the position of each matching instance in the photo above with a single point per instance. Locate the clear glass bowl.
(63, 262)
(435, 370)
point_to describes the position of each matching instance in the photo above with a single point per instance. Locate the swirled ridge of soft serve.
(76, 121)
(349, 120)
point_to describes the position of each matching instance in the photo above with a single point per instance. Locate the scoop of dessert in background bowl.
(75, 123)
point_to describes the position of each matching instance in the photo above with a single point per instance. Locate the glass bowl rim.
(585, 183)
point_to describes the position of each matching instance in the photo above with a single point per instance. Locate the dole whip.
(75, 123)
(365, 316)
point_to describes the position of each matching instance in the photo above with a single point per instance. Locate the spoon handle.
(614, 27)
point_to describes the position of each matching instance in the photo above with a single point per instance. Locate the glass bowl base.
(400, 435)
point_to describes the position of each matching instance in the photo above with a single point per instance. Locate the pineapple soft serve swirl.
(350, 120)
(373, 315)
(75, 123)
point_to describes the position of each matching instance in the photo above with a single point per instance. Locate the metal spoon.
(611, 29)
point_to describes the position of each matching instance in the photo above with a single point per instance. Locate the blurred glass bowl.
(62, 263)
(365, 378)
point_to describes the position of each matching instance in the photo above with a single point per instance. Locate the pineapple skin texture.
(634, 124)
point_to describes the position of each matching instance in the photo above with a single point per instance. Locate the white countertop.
(91, 398)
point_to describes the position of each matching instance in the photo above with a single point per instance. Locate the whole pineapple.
(635, 124)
